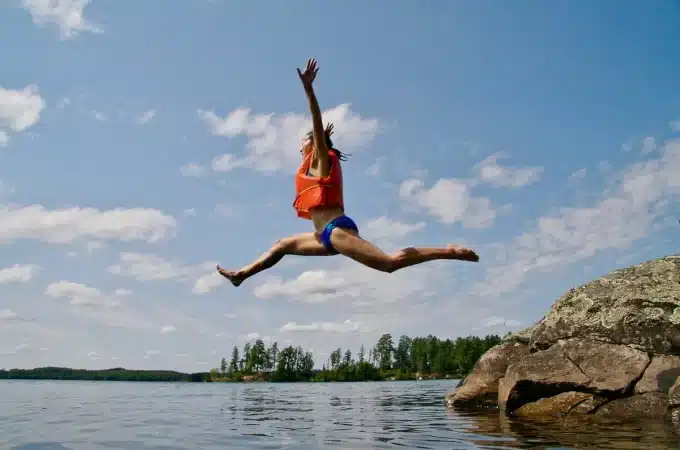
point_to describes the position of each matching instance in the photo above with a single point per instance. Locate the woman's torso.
(323, 214)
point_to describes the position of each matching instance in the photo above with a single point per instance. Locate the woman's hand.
(329, 130)
(307, 77)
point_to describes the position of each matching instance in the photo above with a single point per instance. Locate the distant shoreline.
(420, 358)
(114, 374)
(131, 375)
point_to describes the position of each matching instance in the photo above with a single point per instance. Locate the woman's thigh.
(351, 245)
(305, 244)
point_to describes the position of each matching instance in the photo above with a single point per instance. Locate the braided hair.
(329, 143)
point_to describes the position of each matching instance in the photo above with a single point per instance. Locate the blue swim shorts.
(339, 222)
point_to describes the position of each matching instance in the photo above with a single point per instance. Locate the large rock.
(637, 306)
(609, 349)
(480, 388)
(571, 365)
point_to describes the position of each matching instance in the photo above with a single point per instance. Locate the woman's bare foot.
(462, 253)
(234, 277)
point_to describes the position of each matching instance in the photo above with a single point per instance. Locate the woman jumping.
(319, 197)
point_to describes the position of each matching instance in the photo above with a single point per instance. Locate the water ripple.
(65, 415)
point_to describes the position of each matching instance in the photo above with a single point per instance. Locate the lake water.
(58, 415)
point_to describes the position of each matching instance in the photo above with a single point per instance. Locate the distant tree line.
(410, 358)
(116, 374)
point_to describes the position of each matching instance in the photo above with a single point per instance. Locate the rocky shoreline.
(609, 349)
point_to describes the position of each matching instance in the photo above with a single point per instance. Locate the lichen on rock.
(635, 306)
(522, 336)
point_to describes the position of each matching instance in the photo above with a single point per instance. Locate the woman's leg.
(348, 243)
(303, 244)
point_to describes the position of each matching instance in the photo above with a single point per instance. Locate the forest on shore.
(115, 374)
(407, 359)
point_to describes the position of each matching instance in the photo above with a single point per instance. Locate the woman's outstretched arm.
(320, 147)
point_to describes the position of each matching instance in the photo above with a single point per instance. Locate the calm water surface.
(42, 415)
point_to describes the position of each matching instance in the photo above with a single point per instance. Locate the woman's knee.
(388, 264)
(283, 246)
(394, 262)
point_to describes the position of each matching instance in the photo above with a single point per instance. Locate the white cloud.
(385, 228)
(190, 212)
(451, 201)
(168, 329)
(495, 321)
(674, 125)
(274, 139)
(489, 171)
(150, 353)
(60, 226)
(250, 336)
(648, 145)
(146, 117)
(122, 292)
(230, 315)
(7, 314)
(68, 15)
(577, 175)
(93, 356)
(192, 170)
(18, 273)
(627, 146)
(19, 110)
(625, 213)
(351, 283)
(147, 267)
(81, 294)
(207, 283)
(347, 326)
(312, 286)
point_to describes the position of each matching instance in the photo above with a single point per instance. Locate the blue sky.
(142, 143)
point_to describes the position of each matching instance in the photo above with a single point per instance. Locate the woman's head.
(308, 144)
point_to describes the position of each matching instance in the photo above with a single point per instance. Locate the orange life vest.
(313, 192)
